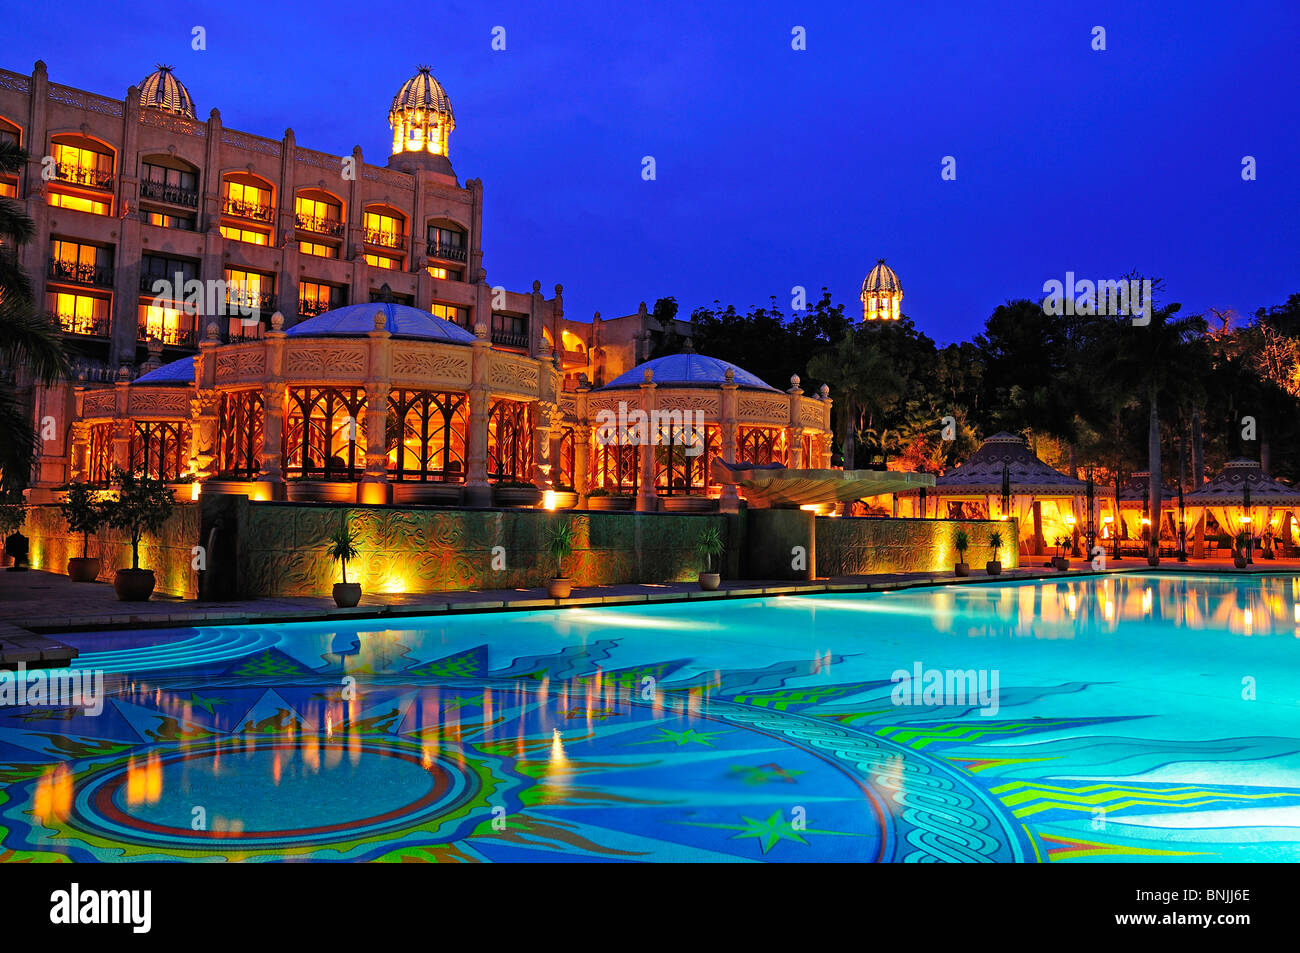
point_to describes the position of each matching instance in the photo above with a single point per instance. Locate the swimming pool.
(1124, 717)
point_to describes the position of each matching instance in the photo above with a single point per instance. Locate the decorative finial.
(213, 333)
(381, 320)
(277, 321)
(649, 375)
(730, 376)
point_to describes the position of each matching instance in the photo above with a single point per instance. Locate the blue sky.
(778, 167)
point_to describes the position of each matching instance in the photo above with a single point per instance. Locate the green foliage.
(961, 542)
(559, 543)
(82, 512)
(13, 511)
(142, 506)
(995, 543)
(343, 547)
(709, 546)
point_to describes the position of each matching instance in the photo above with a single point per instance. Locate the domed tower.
(161, 90)
(882, 294)
(422, 121)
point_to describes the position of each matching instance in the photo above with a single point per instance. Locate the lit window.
(167, 220)
(169, 325)
(320, 251)
(450, 312)
(383, 261)
(78, 204)
(8, 190)
(79, 314)
(245, 235)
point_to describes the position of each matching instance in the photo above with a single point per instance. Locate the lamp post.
(1182, 526)
(1090, 527)
(1249, 519)
(1117, 524)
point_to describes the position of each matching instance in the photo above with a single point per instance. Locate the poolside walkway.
(34, 604)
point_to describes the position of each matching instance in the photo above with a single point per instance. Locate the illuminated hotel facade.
(291, 374)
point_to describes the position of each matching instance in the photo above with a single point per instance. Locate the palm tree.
(26, 337)
(863, 381)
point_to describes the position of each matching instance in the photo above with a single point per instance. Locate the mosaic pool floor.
(1134, 718)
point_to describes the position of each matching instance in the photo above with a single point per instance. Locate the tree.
(863, 382)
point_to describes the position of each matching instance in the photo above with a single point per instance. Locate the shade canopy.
(775, 485)
(1138, 487)
(981, 475)
(1226, 488)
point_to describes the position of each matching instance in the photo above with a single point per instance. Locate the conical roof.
(162, 90)
(981, 475)
(1139, 485)
(1226, 488)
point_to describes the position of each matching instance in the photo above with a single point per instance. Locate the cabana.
(1047, 503)
(1133, 499)
(1240, 498)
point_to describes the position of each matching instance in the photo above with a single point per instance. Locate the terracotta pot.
(709, 581)
(560, 587)
(1061, 563)
(607, 503)
(17, 546)
(1153, 560)
(83, 568)
(133, 585)
(347, 594)
(516, 496)
(688, 504)
(565, 499)
(1239, 562)
(993, 567)
(961, 569)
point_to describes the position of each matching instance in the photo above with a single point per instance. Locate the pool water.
(1127, 717)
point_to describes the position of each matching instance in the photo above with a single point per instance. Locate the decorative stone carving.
(244, 363)
(766, 409)
(514, 375)
(325, 361)
(99, 403)
(424, 365)
(170, 402)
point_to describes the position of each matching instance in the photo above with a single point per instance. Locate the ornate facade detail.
(249, 362)
(252, 143)
(425, 365)
(173, 123)
(755, 407)
(326, 361)
(83, 100)
(688, 403)
(174, 403)
(517, 375)
(812, 414)
(99, 403)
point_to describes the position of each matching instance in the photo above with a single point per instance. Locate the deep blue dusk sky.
(775, 167)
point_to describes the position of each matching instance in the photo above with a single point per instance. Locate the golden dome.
(421, 93)
(421, 116)
(881, 294)
(881, 278)
(161, 90)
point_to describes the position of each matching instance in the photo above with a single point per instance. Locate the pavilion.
(1242, 497)
(1133, 500)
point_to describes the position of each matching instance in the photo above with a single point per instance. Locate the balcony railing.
(309, 309)
(239, 331)
(445, 252)
(329, 227)
(181, 336)
(509, 338)
(80, 175)
(173, 194)
(251, 300)
(78, 273)
(249, 210)
(375, 236)
(81, 325)
(171, 292)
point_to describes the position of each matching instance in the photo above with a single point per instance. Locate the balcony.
(80, 325)
(509, 338)
(309, 309)
(250, 300)
(171, 292)
(171, 194)
(238, 332)
(329, 227)
(445, 252)
(77, 273)
(249, 210)
(180, 336)
(79, 175)
(374, 236)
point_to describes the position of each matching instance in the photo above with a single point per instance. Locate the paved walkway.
(35, 605)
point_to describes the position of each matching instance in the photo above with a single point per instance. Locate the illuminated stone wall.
(282, 553)
(169, 554)
(851, 547)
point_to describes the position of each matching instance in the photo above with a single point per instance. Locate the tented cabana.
(1047, 503)
(1271, 510)
(1132, 499)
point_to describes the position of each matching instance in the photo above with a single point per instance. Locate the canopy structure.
(1240, 498)
(1133, 498)
(775, 485)
(1047, 503)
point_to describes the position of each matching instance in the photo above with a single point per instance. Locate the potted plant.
(1239, 557)
(142, 506)
(564, 497)
(84, 515)
(515, 493)
(961, 542)
(710, 547)
(560, 545)
(1059, 561)
(602, 498)
(994, 566)
(13, 510)
(342, 547)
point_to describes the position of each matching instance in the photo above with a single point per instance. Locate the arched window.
(426, 435)
(324, 437)
(564, 475)
(682, 461)
(160, 449)
(239, 440)
(615, 461)
(760, 445)
(510, 441)
(319, 212)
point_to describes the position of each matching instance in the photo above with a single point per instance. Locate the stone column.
(730, 499)
(205, 408)
(581, 445)
(122, 423)
(543, 470)
(80, 437)
(478, 492)
(273, 409)
(647, 501)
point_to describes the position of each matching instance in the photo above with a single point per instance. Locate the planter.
(253, 489)
(516, 496)
(321, 491)
(1153, 560)
(559, 588)
(83, 568)
(993, 567)
(347, 594)
(961, 569)
(133, 585)
(564, 499)
(1239, 562)
(688, 504)
(709, 581)
(1061, 563)
(16, 545)
(429, 494)
(608, 503)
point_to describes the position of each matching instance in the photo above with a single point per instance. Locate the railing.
(509, 338)
(310, 309)
(162, 192)
(249, 210)
(171, 292)
(330, 227)
(79, 175)
(374, 236)
(243, 332)
(172, 337)
(77, 273)
(251, 300)
(445, 252)
(80, 325)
